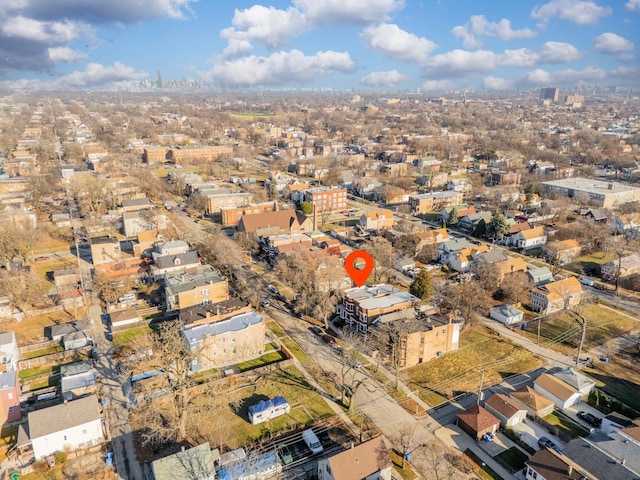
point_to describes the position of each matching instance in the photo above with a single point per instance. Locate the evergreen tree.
(498, 226)
(421, 286)
(481, 229)
(306, 208)
(453, 217)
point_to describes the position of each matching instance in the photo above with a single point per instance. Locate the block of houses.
(9, 397)
(564, 251)
(477, 422)
(196, 463)
(505, 409)
(537, 405)
(560, 393)
(506, 314)
(361, 306)
(380, 219)
(558, 295)
(629, 265)
(62, 428)
(226, 342)
(9, 352)
(201, 286)
(368, 461)
(528, 239)
(547, 464)
(105, 250)
(282, 221)
(77, 380)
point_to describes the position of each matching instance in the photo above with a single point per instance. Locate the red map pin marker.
(359, 276)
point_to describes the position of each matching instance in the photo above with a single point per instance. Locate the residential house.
(459, 185)
(629, 224)
(9, 352)
(461, 210)
(528, 239)
(381, 219)
(281, 221)
(451, 247)
(136, 204)
(617, 445)
(239, 338)
(577, 380)
(506, 314)
(123, 318)
(470, 222)
(461, 261)
(64, 277)
(105, 250)
(509, 266)
(61, 220)
(514, 228)
(599, 215)
(547, 464)
(477, 422)
(173, 247)
(57, 332)
(537, 405)
(502, 178)
(591, 458)
(9, 397)
(179, 262)
(564, 251)
(196, 463)
(78, 339)
(562, 394)
(361, 306)
(77, 380)
(134, 222)
(433, 202)
(202, 285)
(505, 409)
(368, 461)
(430, 237)
(540, 275)
(65, 427)
(558, 295)
(629, 265)
(615, 421)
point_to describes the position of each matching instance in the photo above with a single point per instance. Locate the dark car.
(316, 330)
(590, 418)
(285, 454)
(546, 442)
(329, 340)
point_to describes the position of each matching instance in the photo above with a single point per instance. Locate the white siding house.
(506, 314)
(561, 394)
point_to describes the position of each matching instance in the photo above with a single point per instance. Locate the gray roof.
(576, 379)
(81, 380)
(540, 274)
(136, 202)
(456, 244)
(8, 379)
(492, 257)
(618, 446)
(66, 328)
(168, 261)
(76, 368)
(7, 338)
(196, 463)
(590, 185)
(508, 310)
(595, 462)
(62, 417)
(237, 323)
(171, 244)
(183, 282)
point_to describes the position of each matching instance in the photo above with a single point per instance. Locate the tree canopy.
(421, 286)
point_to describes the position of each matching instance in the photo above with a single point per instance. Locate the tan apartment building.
(105, 250)
(216, 201)
(327, 199)
(433, 202)
(180, 155)
(231, 215)
(423, 339)
(554, 296)
(203, 285)
(227, 342)
(381, 219)
(154, 155)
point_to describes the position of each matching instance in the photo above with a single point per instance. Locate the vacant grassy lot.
(121, 339)
(460, 371)
(266, 359)
(31, 329)
(295, 349)
(618, 378)
(590, 264)
(275, 329)
(231, 427)
(405, 473)
(482, 469)
(562, 332)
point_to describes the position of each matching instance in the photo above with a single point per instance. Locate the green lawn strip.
(121, 339)
(275, 328)
(481, 468)
(405, 473)
(566, 425)
(8, 434)
(270, 346)
(618, 380)
(297, 352)
(42, 352)
(264, 360)
(514, 457)
(29, 374)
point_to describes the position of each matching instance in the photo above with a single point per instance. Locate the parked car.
(329, 340)
(265, 303)
(546, 442)
(586, 281)
(128, 297)
(590, 418)
(316, 330)
(285, 454)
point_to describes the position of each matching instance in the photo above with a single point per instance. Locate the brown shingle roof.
(359, 462)
(550, 466)
(282, 219)
(529, 397)
(478, 418)
(503, 405)
(533, 233)
(555, 387)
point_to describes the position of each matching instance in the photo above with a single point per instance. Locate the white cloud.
(347, 12)
(540, 78)
(582, 12)
(65, 54)
(39, 31)
(458, 63)
(237, 48)
(497, 83)
(611, 43)
(633, 5)
(558, 52)
(281, 68)
(96, 74)
(396, 43)
(268, 26)
(389, 78)
(479, 26)
(437, 85)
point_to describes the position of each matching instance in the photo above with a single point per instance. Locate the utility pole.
(584, 331)
(539, 317)
(480, 390)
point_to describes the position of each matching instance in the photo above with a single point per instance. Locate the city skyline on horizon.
(361, 45)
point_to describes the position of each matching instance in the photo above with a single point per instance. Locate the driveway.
(531, 432)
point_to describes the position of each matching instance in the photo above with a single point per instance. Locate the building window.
(10, 410)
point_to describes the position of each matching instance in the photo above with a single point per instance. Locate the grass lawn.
(31, 329)
(405, 473)
(459, 372)
(43, 352)
(514, 457)
(295, 349)
(560, 331)
(266, 359)
(29, 374)
(485, 471)
(275, 328)
(121, 339)
(232, 427)
(618, 378)
(566, 425)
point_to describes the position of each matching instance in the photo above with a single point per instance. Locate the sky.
(430, 45)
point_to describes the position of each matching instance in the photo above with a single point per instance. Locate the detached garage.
(506, 314)
(478, 422)
(561, 394)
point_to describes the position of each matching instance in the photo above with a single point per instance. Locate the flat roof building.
(601, 194)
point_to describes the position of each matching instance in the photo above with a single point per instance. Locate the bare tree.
(385, 258)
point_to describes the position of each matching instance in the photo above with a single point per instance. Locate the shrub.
(60, 458)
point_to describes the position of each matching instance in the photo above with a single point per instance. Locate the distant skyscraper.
(159, 82)
(549, 94)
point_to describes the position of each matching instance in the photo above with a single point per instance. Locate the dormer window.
(177, 261)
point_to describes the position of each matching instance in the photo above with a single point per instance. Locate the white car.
(586, 281)
(129, 297)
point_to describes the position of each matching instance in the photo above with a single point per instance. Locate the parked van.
(312, 441)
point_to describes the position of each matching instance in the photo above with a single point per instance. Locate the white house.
(69, 426)
(506, 410)
(506, 314)
(267, 409)
(8, 351)
(560, 393)
(528, 239)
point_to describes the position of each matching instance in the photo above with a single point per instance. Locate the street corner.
(453, 437)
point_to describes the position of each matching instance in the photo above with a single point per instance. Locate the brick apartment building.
(179, 155)
(231, 215)
(327, 199)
